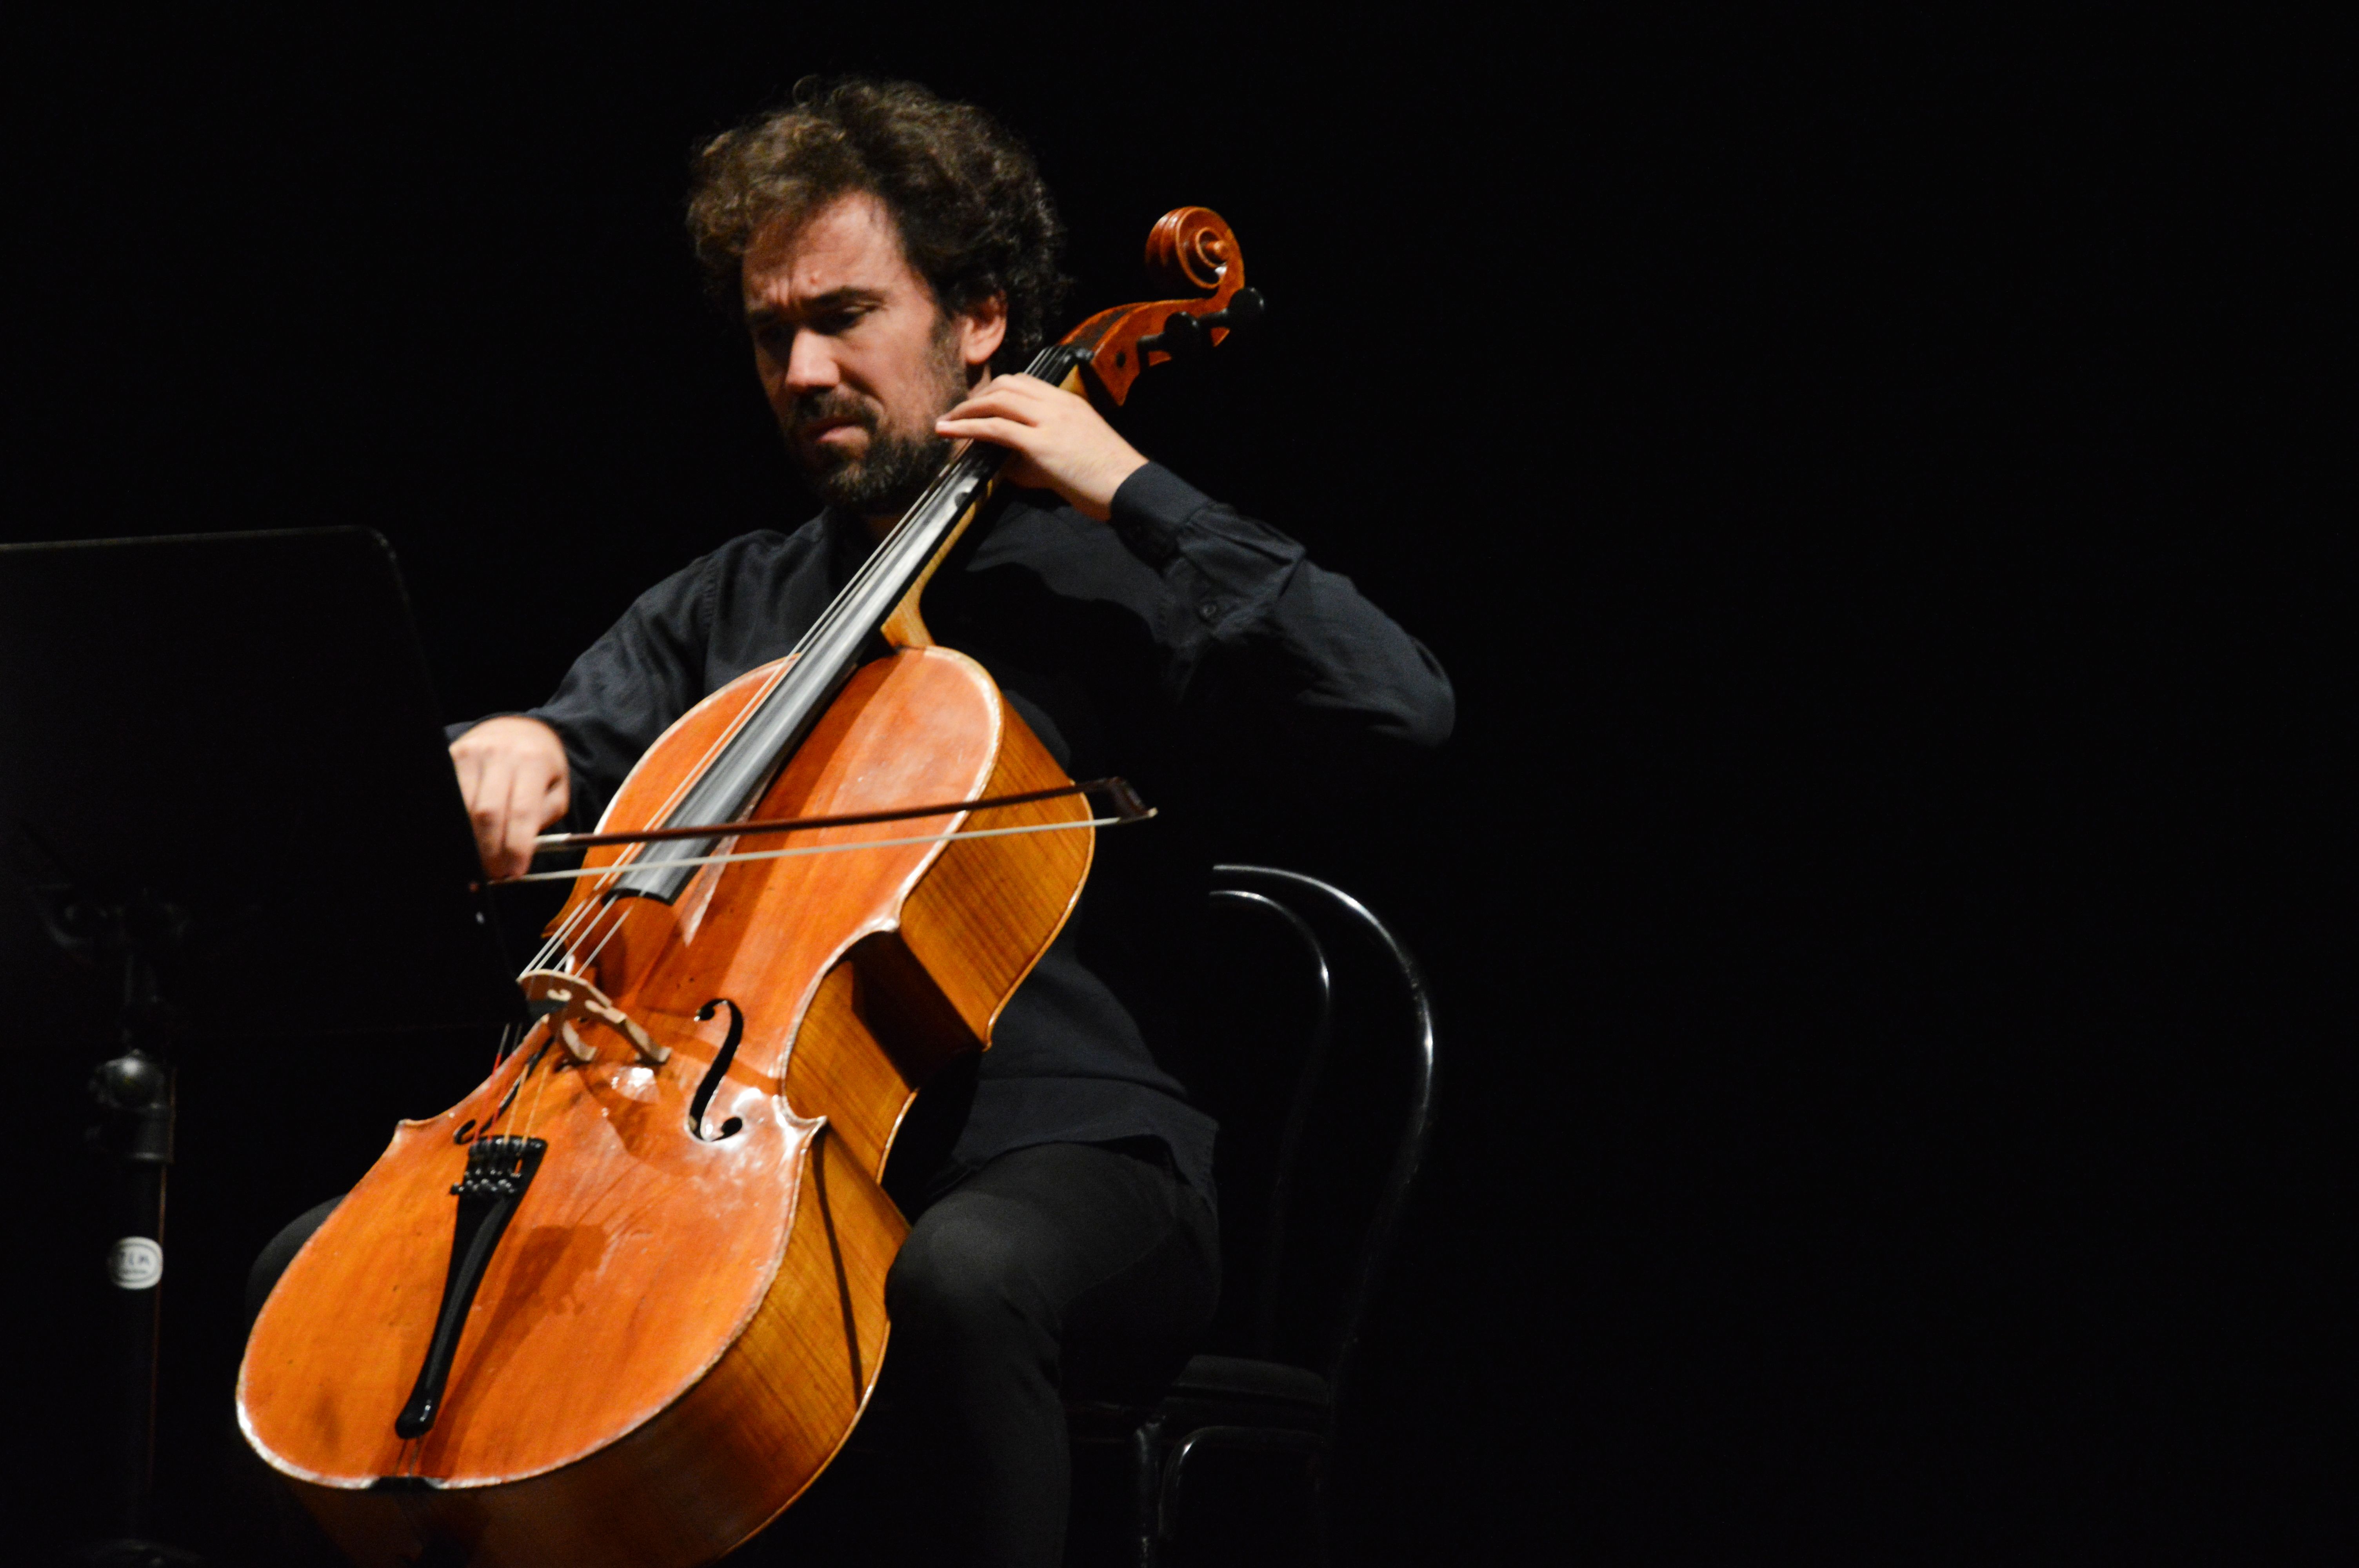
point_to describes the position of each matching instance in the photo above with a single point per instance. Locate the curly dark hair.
(975, 217)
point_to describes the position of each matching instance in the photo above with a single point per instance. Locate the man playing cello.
(887, 251)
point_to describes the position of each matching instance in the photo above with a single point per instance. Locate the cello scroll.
(1190, 247)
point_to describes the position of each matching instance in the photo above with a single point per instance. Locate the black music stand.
(224, 782)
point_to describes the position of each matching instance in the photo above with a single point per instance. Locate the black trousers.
(1065, 1265)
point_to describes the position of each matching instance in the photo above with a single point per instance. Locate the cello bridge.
(575, 1004)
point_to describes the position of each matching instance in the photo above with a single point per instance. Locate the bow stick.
(1129, 807)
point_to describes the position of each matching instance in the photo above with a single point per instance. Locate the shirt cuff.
(1226, 569)
(1151, 507)
(451, 733)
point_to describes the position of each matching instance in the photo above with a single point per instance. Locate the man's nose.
(809, 364)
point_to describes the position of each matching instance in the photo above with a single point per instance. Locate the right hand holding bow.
(513, 775)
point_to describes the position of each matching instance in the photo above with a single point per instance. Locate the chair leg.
(1146, 1491)
(1164, 1526)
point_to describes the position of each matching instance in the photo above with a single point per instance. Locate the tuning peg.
(1183, 334)
(1180, 336)
(1244, 309)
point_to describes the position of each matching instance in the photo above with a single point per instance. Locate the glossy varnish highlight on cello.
(664, 1309)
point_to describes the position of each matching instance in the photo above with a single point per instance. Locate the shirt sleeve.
(1303, 636)
(627, 688)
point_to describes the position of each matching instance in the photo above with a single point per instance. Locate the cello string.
(587, 913)
(952, 470)
(889, 561)
(719, 743)
(966, 460)
(561, 936)
(890, 556)
(731, 858)
(532, 1111)
(594, 910)
(583, 923)
(590, 909)
(555, 941)
(601, 939)
(592, 957)
(622, 913)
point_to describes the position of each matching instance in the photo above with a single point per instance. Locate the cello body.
(680, 1328)
(679, 1314)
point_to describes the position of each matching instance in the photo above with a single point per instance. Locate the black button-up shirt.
(1173, 648)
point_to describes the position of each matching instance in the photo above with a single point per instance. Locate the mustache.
(830, 404)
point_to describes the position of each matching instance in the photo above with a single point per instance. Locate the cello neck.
(881, 597)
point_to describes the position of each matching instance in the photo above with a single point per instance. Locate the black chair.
(1319, 1146)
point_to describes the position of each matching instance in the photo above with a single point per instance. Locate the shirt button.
(1209, 611)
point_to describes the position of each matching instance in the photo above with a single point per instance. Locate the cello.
(656, 1309)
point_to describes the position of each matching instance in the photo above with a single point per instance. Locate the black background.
(1856, 472)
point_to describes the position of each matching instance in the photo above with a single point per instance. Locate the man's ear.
(983, 327)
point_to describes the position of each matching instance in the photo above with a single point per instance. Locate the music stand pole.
(133, 1103)
(237, 660)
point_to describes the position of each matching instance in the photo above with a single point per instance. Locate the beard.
(887, 477)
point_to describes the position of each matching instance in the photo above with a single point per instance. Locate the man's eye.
(776, 339)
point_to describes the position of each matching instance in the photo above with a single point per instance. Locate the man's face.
(855, 356)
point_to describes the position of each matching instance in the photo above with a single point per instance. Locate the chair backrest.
(1324, 1089)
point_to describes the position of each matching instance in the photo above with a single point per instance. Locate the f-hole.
(715, 1073)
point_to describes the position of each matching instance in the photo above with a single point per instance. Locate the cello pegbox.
(1190, 248)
